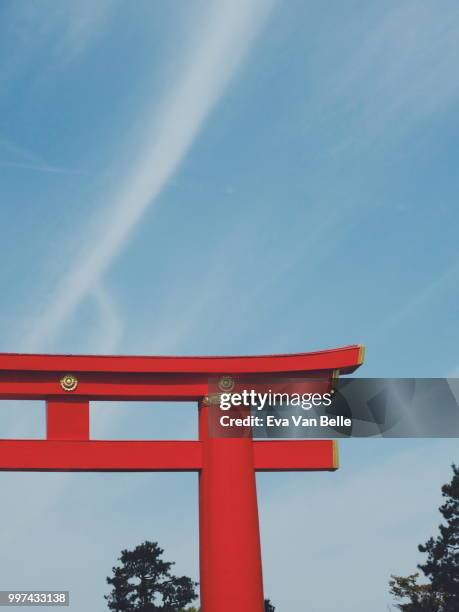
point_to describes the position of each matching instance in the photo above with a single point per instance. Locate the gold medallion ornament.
(69, 382)
(226, 384)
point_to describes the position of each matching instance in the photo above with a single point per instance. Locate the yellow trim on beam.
(335, 455)
(361, 357)
(334, 380)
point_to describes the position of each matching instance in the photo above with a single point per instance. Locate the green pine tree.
(143, 582)
(442, 565)
(441, 593)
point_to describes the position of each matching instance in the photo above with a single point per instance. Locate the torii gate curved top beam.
(347, 359)
(25, 376)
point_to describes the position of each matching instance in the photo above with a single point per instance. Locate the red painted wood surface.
(295, 455)
(230, 555)
(67, 420)
(155, 455)
(346, 358)
(100, 455)
(153, 378)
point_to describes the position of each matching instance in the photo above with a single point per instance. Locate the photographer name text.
(290, 421)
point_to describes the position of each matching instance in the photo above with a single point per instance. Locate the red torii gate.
(230, 559)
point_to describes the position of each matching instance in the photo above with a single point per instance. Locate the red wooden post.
(67, 420)
(230, 556)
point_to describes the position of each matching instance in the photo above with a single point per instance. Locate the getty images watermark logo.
(249, 406)
(260, 400)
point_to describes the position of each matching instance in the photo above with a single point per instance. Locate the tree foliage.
(441, 568)
(143, 582)
(420, 596)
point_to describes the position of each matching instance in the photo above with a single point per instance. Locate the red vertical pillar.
(67, 419)
(230, 556)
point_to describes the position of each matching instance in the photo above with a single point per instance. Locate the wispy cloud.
(382, 86)
(397, 74)
(81, 23)
(229, 29)
(14, 156)
(14, 152)
(50, 33)
(446, 280)
(37, 167)
(111, 323)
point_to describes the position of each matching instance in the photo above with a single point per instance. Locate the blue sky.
(229, 178)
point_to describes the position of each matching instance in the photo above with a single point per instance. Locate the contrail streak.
(228, 32)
